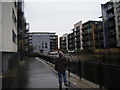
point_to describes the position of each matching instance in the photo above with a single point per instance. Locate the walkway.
(35, 74)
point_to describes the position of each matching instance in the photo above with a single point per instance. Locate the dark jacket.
(61, 64)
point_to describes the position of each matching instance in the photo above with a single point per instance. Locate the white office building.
(44, 42)
(8, 33)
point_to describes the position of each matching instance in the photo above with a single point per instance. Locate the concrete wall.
(5, 58)
(8, 26)
(9, 60)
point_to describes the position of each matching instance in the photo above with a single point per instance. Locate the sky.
(60, 15)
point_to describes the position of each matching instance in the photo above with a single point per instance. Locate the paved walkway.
(36, 74)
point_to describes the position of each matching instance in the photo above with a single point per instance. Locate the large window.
(14, 37)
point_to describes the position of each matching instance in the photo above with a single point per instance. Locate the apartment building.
(8, 31)
(71, 41)
(44, 42)
(64, 42)
(53, 42)
(87, 36)
(60, 42)
(92, 35)
(78, 36)
(97, 34)
(111, 23)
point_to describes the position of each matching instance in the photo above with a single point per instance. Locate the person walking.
(60, 67)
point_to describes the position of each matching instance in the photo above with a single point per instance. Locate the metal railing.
(105, 75)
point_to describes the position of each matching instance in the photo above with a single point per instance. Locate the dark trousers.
(60, 75)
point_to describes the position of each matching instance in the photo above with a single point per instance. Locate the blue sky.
(60, 16)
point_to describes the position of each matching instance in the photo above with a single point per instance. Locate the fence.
(48, 58)
(105, 75)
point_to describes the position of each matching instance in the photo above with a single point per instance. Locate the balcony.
(112, 35)
(27, 44)
(84, 45)
(84, 33)
(77, 35)
(70, 42)
(26, 30)
(78, 30)
(26, 37)
(111, 9)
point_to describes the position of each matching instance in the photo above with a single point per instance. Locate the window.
(15, 3)
(13, 17)
(45, 46)
(42, 45)
(118, 19)
(118, 9)
(109, 6)
(118, 28)
(111, 24)
(39, 46)
(117, 1)
(14, 37)
(111, 32)
(110, 15)
(78, 28)
(96, 22)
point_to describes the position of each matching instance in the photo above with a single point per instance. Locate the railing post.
(80, 69)
(100, 75)
(69, 71)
